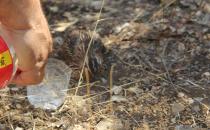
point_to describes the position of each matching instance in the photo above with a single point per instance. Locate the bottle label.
(6, 64)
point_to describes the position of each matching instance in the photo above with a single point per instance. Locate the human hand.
(31, 39)
(32, 48)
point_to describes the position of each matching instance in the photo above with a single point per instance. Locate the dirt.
(158, 76)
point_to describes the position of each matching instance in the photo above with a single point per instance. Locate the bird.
(74, 49)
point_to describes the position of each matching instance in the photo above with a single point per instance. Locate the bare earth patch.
(158, 74)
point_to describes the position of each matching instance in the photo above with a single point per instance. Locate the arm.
(24, 26)
(21, 14)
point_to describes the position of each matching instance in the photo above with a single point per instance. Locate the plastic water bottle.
(51, 93)
(8, 63)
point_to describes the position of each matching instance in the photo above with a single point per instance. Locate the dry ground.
(161, 68)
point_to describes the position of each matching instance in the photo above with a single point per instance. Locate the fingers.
(28, 77)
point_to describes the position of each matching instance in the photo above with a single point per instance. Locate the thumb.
(24, 78)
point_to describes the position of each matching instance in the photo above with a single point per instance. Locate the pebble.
(181, 94)
(196, 107)
(173, 120)
(79, 127)
(54, 9)
(206, 74)
(96, 4)
(18, 106)
(15, 88)
(18, 128)
(117, 90)
(183, 127)
(190, 100)
(177, 107)
(110, 124)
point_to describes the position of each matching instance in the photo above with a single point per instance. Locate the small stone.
(198, 13)
(199, 99)
(173, 29)
(103, 80)
(6, 107)
(208, 56)
(183, 127)
(15, 89)
(135, 90)
(206, 7)
(18, 128)
(181, 30)
(177, 107)
(207, 36)
(206, 74)
(190, 100)
(54, 9)
(110, 124)
(173, 120)
(82, 126)
(62, 26)
(121, 27)
(96, 5)
(18, 106)
(117, 90)
(181, 94)
(196, 107)
(68, 15)
(181, 47)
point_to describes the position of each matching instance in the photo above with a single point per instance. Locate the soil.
(158, 76)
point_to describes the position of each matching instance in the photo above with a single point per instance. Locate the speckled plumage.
(74, 49)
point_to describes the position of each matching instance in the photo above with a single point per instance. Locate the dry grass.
(152, 72)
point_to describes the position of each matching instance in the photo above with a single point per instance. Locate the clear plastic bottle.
(51, 93)
(8, 62)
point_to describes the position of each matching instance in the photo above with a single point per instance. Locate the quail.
(74, 49)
